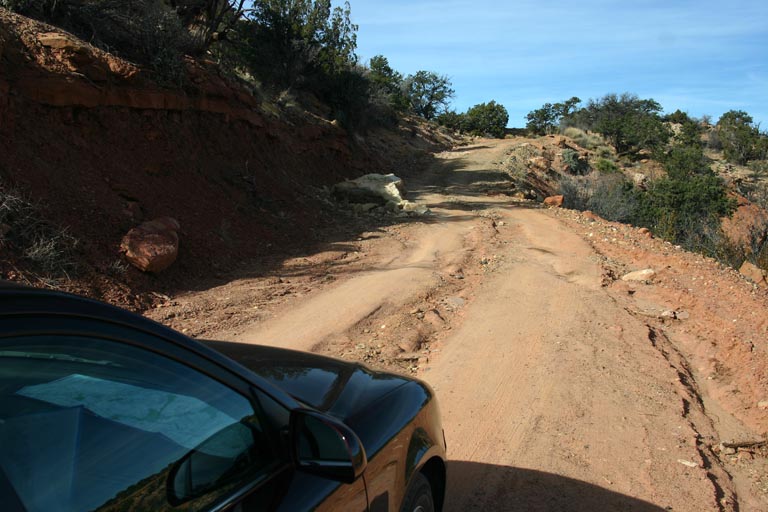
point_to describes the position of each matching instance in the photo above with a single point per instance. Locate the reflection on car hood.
(339, 388)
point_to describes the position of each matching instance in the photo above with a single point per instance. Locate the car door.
(96, 416)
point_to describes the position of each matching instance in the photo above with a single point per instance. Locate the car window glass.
(90, 424)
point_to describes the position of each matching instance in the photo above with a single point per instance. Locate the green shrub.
(689, 135)
(740, 139)
(517, 163)
(347, 93)
(604, 151)
(606, 166)
(584, 139)
(629, 123)
(678, 117)
(611, 197)
(683, 210)
(486, 119)
(387, 84)
(574, 161)
(682, 162)
(546, 119)
(451, 119)
(614, 198)
(576, 192)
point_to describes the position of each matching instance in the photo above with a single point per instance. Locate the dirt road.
(556, 395)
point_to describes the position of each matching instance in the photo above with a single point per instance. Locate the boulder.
(434, 319)
(415, 208)
(538, 163)
(59, 41)
(554, 201)
(411, 341)
(590, 216)
(152, 246)
(754, 273)
(372, 188)
(645, 232)
(640, 275)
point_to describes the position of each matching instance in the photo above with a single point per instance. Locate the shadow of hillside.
(475, 486)
(338, 229)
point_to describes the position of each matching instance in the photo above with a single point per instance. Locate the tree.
(683, 162)
(338, 40)
(452, 120)
(678, 117)
(383, 75)
(288, 39)
(546, 119)
(542, 121)
(428, 93)
(739, 137)
(387, 83)
(690, 134)
(628, 122)
(486, 119)
(208, 21)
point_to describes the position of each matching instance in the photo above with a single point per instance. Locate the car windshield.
(185, 420)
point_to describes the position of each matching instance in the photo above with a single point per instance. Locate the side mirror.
(224, 458)
(326, 447)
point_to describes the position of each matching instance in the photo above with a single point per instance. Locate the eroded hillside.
(100, 147)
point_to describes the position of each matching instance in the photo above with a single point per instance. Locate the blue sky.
(703, 57)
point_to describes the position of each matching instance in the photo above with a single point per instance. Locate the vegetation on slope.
(686, 204)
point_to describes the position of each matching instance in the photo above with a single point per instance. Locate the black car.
(102, 409)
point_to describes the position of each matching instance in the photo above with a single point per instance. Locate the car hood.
(336, 387)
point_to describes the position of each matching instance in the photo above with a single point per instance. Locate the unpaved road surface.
(559, 390)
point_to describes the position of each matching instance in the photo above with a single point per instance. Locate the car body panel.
(396, 418)
(377, 410)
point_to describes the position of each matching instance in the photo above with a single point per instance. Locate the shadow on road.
(476, 486)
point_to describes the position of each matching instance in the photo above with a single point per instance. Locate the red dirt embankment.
(101, 147)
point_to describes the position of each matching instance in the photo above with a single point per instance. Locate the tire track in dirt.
(338, 308)
(548, 377)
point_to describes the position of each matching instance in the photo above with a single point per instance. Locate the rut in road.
(554, 398)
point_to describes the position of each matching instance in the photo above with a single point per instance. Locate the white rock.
(640, 275)
(416, 209)
(387, 187)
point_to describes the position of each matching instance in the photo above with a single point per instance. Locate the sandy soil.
(562, 387)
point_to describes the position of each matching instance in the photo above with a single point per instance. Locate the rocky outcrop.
(153, 246)
(55, 68)
(554, 201)
(645, 232)
(755, 273)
